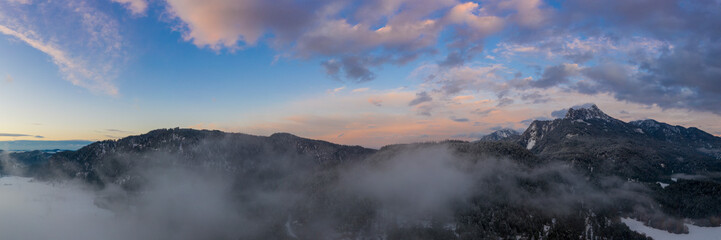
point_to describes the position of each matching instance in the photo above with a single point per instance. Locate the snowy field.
(694, 232)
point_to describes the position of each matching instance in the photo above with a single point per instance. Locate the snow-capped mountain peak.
(586, 112)
(502, 134)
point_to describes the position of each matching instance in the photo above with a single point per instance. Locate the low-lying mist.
(286, 198)
(178, 205)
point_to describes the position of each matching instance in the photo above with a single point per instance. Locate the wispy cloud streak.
(81, 40)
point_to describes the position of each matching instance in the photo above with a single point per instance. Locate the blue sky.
(355, 72)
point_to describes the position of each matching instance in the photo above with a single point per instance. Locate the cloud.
(135, 6)
(496, 128)
(117, 131)
(332, 68)
(354, 68)
(684, 77)
(75, 72)
(559, 113)
(562, 112)
(435, 180)
(353, 36)
(482, 112)
(219, 24)
(171, 198)
(83, 42)
(662, 55)
(358, 90)
(535, 97)
(556, 75)
(472, 24)
(663, 20)
(20, 1)
(455, 119)
(424, 110)
(421, 97)
(19, 135)
(336, 90)
(325, 116)
(504, 102)
(666, 61)
(679, 78)
(412, 183)
(168, 196)
(529, 13)
(530, 120)
(463, 98)
(478, 20)
(456, 80)
(14, 135)
(375, 102)
(454, 59)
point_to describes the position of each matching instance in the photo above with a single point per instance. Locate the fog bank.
(285, 198)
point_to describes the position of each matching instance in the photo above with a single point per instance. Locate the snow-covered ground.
(694, 232)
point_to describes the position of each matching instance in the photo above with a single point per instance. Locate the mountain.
(26, 163)
(502, 135)
(680, 165)
(645, 150)
(572, 177)
(692, 137)
(111, 161)
(42, 145)
(307, 189)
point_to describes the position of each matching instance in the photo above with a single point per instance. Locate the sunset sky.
(366, 72)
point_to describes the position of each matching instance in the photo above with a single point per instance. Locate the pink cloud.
(135, 6)
(477, 18)
(312, 29)
(221, 24)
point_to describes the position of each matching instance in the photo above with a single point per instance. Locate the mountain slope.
(111, 161)
(27, 163)
(291, 186)
(692, 137)
(294, 187)
(502, 135)
(598, 143)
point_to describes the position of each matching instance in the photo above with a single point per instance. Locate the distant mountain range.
(590, 168)
(32, 145)
(502, 135)
(644, 150)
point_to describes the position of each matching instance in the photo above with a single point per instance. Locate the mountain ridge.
(505, 134)
(587, 136)
(643, 170)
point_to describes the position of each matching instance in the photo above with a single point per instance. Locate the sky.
(360, 72)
